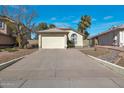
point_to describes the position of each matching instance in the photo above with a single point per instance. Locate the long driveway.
(59, 68)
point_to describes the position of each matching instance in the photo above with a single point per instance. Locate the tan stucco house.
(57, 38)
(6, 38)
(113, 37)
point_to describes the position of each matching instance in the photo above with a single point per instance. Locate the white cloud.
(53, 18)
(96, 29)
(76, 21)
(107, 25)
(71, 16)
(111, 24)
(67, 17)
(107, 17)
(62, 24)
(64, 18)
(93, 19)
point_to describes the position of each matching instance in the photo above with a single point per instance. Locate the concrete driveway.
(59, 68)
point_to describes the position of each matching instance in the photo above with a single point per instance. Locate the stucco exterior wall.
(121, 41)
(86, 43)
(4, 29)
(58, 37)
(6, 40)
(79, 38)
(108, 39)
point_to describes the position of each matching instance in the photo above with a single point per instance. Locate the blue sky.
(103, 17)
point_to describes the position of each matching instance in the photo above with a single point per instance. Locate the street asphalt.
(59, 68)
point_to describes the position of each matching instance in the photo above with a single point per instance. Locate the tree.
(22, 20)
(84, 24)
(52, 26)
(42, 26)
(86, 34)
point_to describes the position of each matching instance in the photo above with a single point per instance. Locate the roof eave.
(118, 29)
(41, 32)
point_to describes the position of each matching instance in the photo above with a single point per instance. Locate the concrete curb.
(8, 63)
(114, 48)
(112, 66)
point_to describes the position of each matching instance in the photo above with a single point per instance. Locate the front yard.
(96, 53)
(109, 55)
(12, 53)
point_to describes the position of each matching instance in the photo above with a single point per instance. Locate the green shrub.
(70, 44)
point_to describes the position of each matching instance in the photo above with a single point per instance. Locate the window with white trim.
(1, 24)
(74, 38)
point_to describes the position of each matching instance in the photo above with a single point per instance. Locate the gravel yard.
(121, 62)
(105, 54)
(97, 53)
(9, 55)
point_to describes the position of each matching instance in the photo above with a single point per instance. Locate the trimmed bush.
(70, 44)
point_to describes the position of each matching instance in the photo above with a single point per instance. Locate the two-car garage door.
(53, 42)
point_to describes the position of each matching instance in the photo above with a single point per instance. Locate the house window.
(74, 38)
(1, 25)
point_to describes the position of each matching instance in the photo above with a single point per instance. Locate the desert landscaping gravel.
(106, 54)
(6, 56)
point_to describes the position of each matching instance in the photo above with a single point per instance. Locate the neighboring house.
(6, 38)
(112, 37)
(57, 38)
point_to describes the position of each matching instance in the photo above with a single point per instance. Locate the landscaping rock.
(111, 57)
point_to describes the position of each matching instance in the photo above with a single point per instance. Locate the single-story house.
(113, 37)
(6, 39)
(58, 37)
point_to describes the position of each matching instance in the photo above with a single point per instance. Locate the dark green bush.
(70, 44)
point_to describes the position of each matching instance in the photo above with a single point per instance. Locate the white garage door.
(53, 42)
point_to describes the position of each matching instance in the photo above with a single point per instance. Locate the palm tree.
(86, 33)
(52, 26)
(42, 26)
(84, 23)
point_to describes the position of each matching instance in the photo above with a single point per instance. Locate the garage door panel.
(53, 42)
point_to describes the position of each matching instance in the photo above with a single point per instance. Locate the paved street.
(59, 68)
